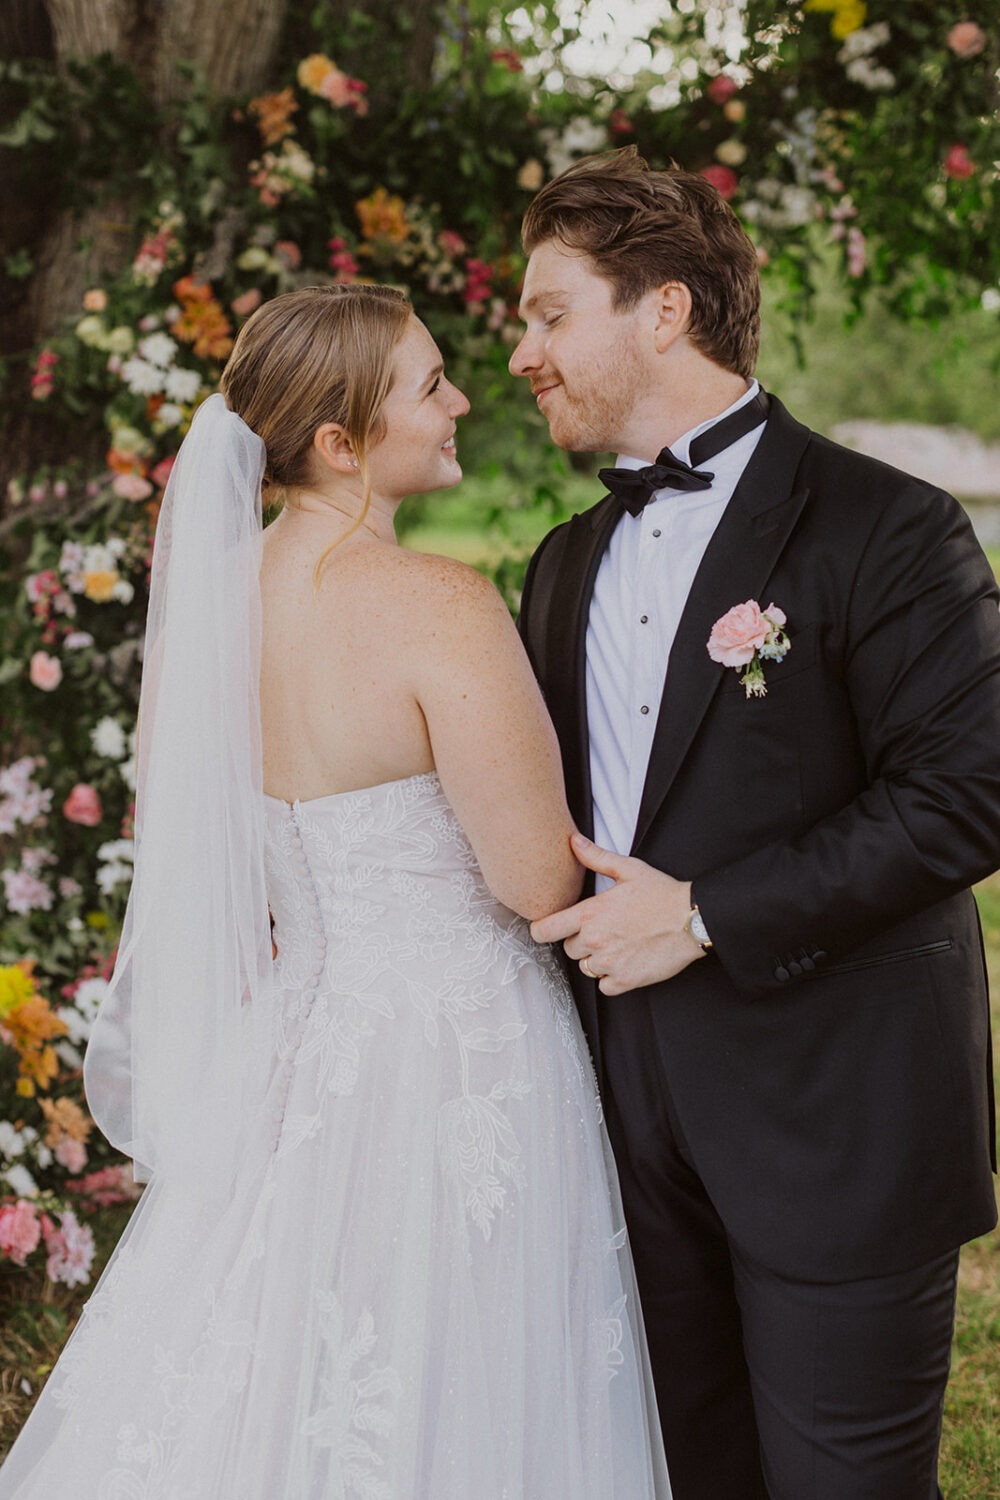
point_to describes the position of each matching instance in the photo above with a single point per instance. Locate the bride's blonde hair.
(318, 354)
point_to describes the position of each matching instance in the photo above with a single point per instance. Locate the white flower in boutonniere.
(747, 636)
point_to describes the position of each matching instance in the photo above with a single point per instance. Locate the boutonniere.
(747, 636)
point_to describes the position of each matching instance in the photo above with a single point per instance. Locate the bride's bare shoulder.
(427, 583)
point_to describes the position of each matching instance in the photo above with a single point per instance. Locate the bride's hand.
(630, 935)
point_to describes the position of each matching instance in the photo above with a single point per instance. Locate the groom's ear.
(672, 310)
(334, 448)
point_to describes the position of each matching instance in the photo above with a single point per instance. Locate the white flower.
(123, 591)
(169, 416)
(142, 378)
(12, 1142)
(863, 42)
(732, 153)
(870, 77)
(21, 1182)
(43, 1156)
(87, 1000)
(77, 1026)
(108, 738)
(78, 639)
(91, 331)
(159, 349)
(120, 340)
(182, 385)
(253, 259)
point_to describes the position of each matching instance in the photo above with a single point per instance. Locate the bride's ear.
(334, 448)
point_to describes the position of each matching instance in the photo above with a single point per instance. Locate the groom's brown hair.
(643, 228)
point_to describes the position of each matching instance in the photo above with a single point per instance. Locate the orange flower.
(383, 216)
(190, 289)
(65, 1119)
(31, 1027)
(202, 323)
(274, 115)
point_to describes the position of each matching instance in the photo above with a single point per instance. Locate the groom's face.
(585, 361)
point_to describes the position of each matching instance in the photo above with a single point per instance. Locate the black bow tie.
(635, 487)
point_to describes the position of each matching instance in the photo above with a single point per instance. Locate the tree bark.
(232, 43)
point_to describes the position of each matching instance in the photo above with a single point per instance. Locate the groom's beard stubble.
(592, 408)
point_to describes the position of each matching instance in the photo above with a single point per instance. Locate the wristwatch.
(695, 925)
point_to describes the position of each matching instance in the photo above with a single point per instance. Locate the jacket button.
(807, 964)
(795, 968)
(781, 974)
(819, 954)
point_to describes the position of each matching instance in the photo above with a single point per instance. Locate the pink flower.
(83, 806)
(722, 88)
(131, 487)
(161, 473)
(740, 632)
(966, 39)
(20, 1231)
(723, 179)
(107, 1187)
(71, 1251)
(289, 254)
(958, 163)
(619, 123)
(245, 304)
(95, 300)
(451, 243)
(71, 1154)
(23, 892)
(45, 671)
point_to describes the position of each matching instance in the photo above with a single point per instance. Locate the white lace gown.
(421, 1289)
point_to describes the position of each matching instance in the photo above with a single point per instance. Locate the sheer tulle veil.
(169, 1074)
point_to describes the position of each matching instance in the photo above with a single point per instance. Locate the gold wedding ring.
(586, 969)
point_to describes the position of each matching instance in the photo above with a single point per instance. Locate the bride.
(381, 1254)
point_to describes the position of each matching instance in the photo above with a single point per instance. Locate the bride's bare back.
(401, 663)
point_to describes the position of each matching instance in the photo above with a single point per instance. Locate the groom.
(781, 972)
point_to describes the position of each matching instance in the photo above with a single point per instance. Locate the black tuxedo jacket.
(829, 1063)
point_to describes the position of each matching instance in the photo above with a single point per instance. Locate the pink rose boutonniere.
(746, 636)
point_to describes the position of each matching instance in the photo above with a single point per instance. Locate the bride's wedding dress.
(420, 1288)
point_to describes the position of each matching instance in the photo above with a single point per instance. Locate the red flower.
(83, 806)
(722, 179)
(958, 163)
(721, 89)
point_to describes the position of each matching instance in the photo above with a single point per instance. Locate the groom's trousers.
(768, 1388)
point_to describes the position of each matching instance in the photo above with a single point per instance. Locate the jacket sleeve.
(923, 678)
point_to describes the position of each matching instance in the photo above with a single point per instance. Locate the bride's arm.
(493, 743)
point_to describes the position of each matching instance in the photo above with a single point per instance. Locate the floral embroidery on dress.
(359, 1398)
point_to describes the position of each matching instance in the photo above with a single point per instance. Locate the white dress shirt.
(640, 592)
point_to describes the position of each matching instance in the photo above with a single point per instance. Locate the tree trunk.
(232, 43)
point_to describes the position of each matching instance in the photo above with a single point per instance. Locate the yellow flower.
(98, 920)
(313, 69)
(850, 17)
(16, 987)
(383, 216)
(100, 586)
(25, 1088)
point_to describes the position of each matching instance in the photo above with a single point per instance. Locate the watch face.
(698, 929)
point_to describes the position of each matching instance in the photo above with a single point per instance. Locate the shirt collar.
(682, 448)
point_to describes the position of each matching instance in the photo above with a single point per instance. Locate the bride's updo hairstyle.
(318, 354)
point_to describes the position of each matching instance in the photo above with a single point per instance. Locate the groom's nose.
(525, 357)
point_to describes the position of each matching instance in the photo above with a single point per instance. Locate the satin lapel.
(737, 564)
(566, 687)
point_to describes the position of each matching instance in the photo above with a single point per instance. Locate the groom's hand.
(630, 935)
